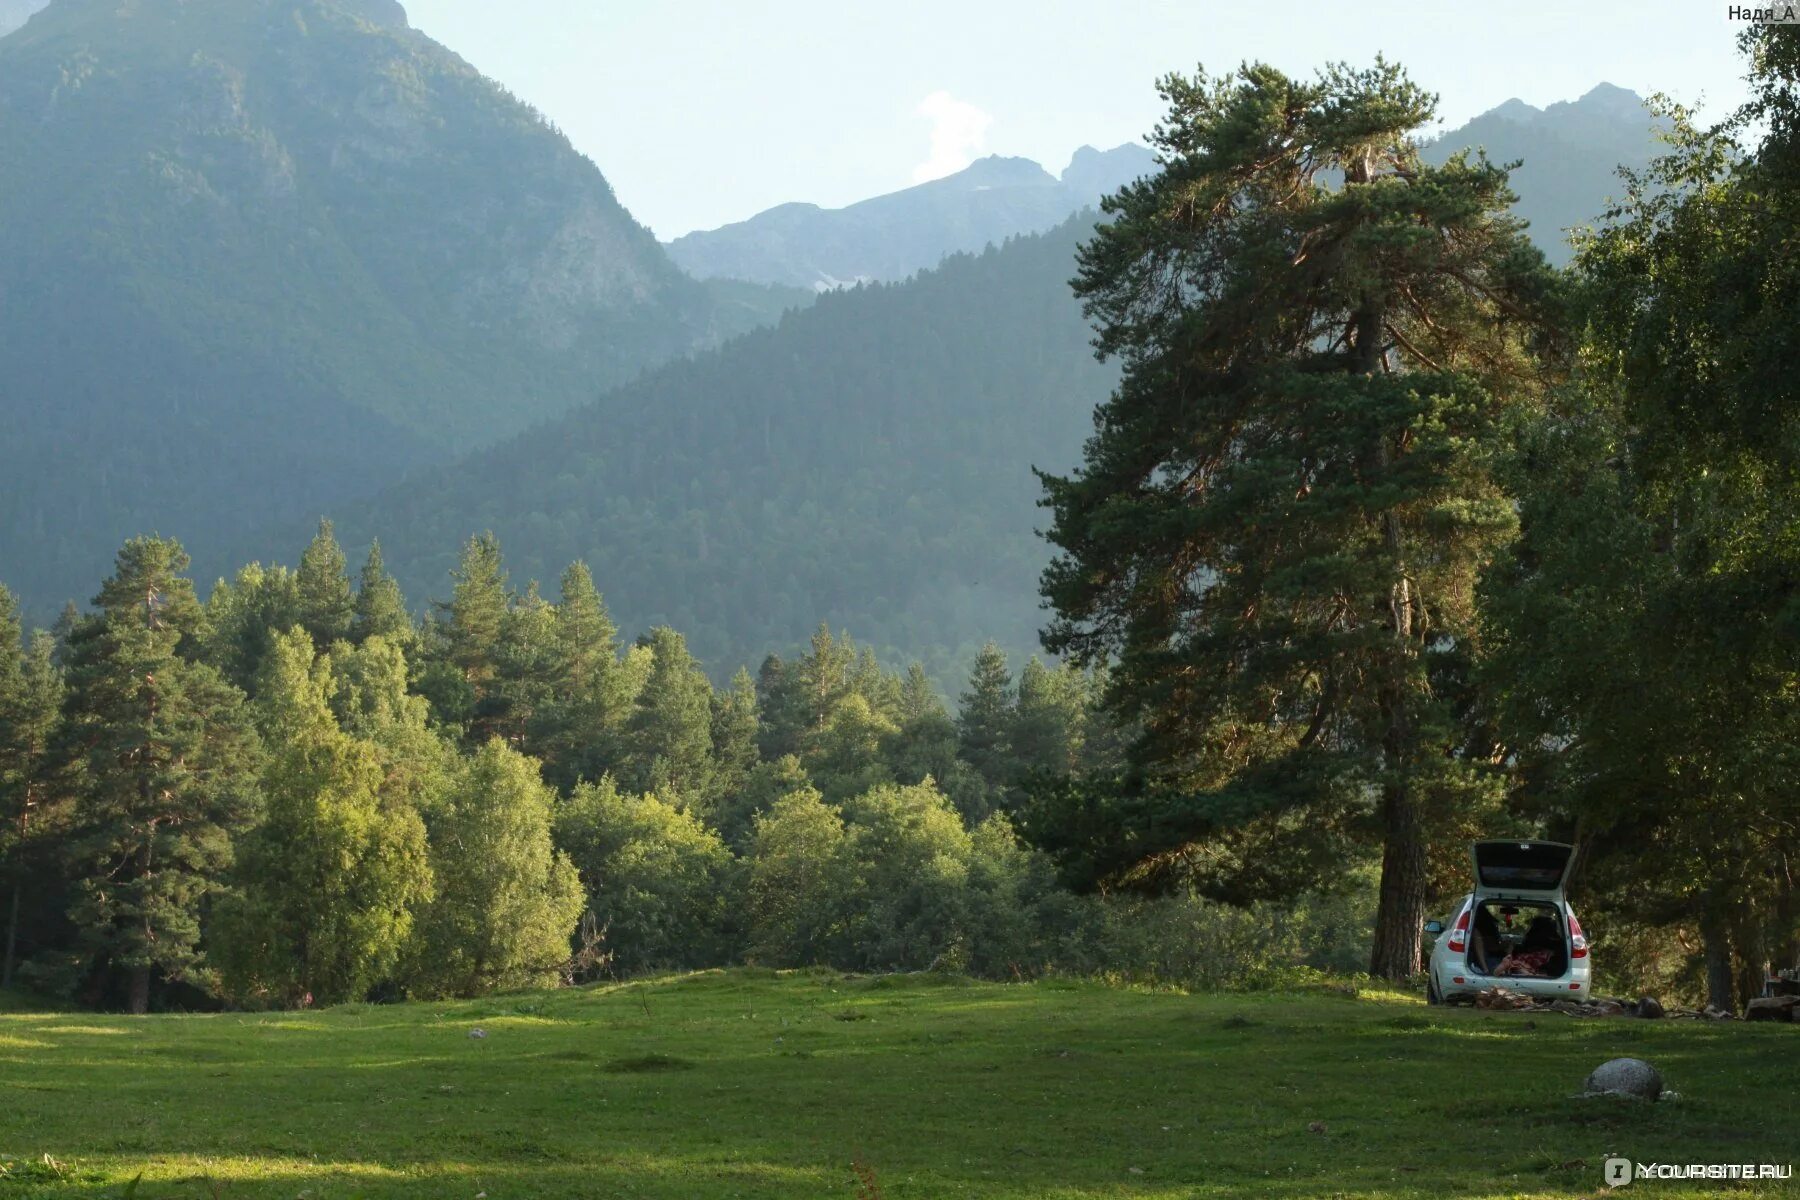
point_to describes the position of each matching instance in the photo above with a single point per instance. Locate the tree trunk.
(1400, 915)
(1750, 960)
(1716, 940)
(12, 933)
(140, 991)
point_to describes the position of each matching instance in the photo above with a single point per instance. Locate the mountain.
(892, 236)
(1570, 152)
(261, 253)
(14, 13)
(866, 462)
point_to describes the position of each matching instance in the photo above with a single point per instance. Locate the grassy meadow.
(754, 1084)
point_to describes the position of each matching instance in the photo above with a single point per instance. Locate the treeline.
(297, 793)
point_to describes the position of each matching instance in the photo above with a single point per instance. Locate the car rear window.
(1527, 865)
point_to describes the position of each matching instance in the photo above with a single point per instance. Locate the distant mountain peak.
(1613, 100)
(1516, 110)
(1606, 101)
(997, 170)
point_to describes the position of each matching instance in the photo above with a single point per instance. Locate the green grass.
(749, 1084)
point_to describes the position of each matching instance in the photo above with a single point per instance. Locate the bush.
(658, 881)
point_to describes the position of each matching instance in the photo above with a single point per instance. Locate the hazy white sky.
(702, 112)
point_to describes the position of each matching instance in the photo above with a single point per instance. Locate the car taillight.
(1459, 937)
(1577, 941)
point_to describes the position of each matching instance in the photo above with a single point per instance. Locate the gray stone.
(1632, 1077)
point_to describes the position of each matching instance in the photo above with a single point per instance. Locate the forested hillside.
(867, 463)
(265, 255)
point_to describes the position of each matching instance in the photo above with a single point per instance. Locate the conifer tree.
(985, 720)
(1047, 726)
(734, 734)
(322, 587)
(380, 607)
(1281, 516)
(925, 746)
(30, 699)
(591, 700)
(167, 763)
(469, 628)
(528, 673)
(669, 737)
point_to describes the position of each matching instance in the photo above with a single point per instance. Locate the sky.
(702, 112)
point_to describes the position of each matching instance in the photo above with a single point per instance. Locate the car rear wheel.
(1431, 990)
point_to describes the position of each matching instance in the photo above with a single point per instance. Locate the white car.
(1515, 930)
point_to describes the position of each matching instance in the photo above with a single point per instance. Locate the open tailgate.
(1521, 870)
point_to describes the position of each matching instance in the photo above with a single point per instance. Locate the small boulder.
(1630, 1077)
(1649, 1007)
(478, 1034)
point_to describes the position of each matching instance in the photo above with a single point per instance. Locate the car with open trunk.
(1515, 929)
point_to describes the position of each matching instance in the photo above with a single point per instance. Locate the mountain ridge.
(889, 237)
(263, 255)
(1570, 150)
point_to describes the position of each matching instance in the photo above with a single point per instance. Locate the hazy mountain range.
(271, 259)
(890, 237)
(1569, 155)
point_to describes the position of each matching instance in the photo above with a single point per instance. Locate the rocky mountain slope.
(263, 254)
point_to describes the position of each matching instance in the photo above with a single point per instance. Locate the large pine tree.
(1284, 506)
(166, 759)
(30, 699)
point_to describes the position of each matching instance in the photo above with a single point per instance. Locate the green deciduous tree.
(801, 883)
(1646, 631)
(328, 882)
(659, 882)
(507, 900)
(1281, 515)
